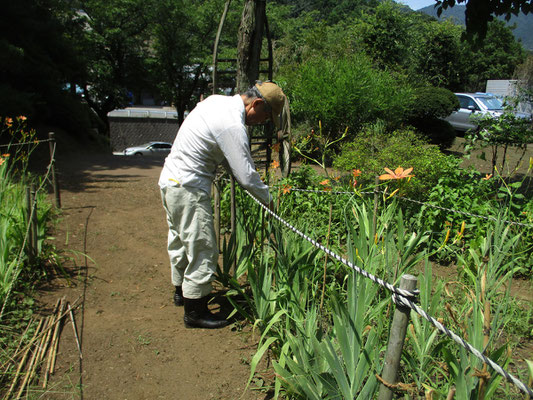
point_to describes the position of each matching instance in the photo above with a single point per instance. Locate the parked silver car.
(149, 149)
(476, 104)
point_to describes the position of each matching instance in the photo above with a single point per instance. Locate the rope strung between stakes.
(403, 301)
(403, 297)
(392, 288)
(25, 143)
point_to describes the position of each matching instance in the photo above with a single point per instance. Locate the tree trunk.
(249, 45)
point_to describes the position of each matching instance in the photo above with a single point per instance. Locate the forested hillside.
(521, 25)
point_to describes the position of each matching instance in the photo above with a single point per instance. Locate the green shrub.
(345, 92)
(429, 106)
(374, 149)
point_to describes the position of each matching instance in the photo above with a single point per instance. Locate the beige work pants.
(191, 243)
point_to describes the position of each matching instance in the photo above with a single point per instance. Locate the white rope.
(25, 143)
(392, 288)
(404, 300)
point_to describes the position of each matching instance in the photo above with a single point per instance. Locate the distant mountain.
(522, 32)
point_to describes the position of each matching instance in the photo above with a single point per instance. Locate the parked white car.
(474, 104)
(149, 149)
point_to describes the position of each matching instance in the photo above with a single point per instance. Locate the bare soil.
(133, 341)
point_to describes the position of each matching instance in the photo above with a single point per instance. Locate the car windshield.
(492, 103)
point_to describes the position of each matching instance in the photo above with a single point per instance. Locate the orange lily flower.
(355, 174)
(399, 173)
(325, 182)
(274, 165)
(286, 189)
(487, 177)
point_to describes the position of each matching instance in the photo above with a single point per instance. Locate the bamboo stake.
(74, 306)
(326, 258)
(486, 333)
(48, 342)
(55, 342)
(32, 365)
(75, 330)
(23, 361)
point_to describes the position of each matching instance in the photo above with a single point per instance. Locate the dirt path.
(133, 340)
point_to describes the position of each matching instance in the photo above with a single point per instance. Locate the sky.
(417, 4)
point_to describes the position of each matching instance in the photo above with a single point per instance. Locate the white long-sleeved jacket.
(213, 132)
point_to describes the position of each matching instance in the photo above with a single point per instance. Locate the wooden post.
(55, 183)
(396, 339)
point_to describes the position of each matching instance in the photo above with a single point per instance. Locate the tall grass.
(19, 273)
(336, 351)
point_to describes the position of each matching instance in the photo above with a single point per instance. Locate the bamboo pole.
(233, 217)
(55, 338)
(50, 342)
(396, 340)
(55, 182)
(484, 376)
(23, 360)
(33, 362)
(375, 216)
(216, 195)
(75, 330)
(29, 221)
(326, 257)
(34, 221)
(215, 47)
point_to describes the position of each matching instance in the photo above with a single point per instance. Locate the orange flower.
(325, 182)
(286, 189)
(399, 173)
(274, 165)
(9, 122)
(487, 177)
(355, 174)
(21, 118)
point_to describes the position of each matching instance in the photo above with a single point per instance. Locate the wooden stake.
(396, 339)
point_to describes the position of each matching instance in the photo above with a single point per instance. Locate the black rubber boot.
(197, 315)
(178, 296)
